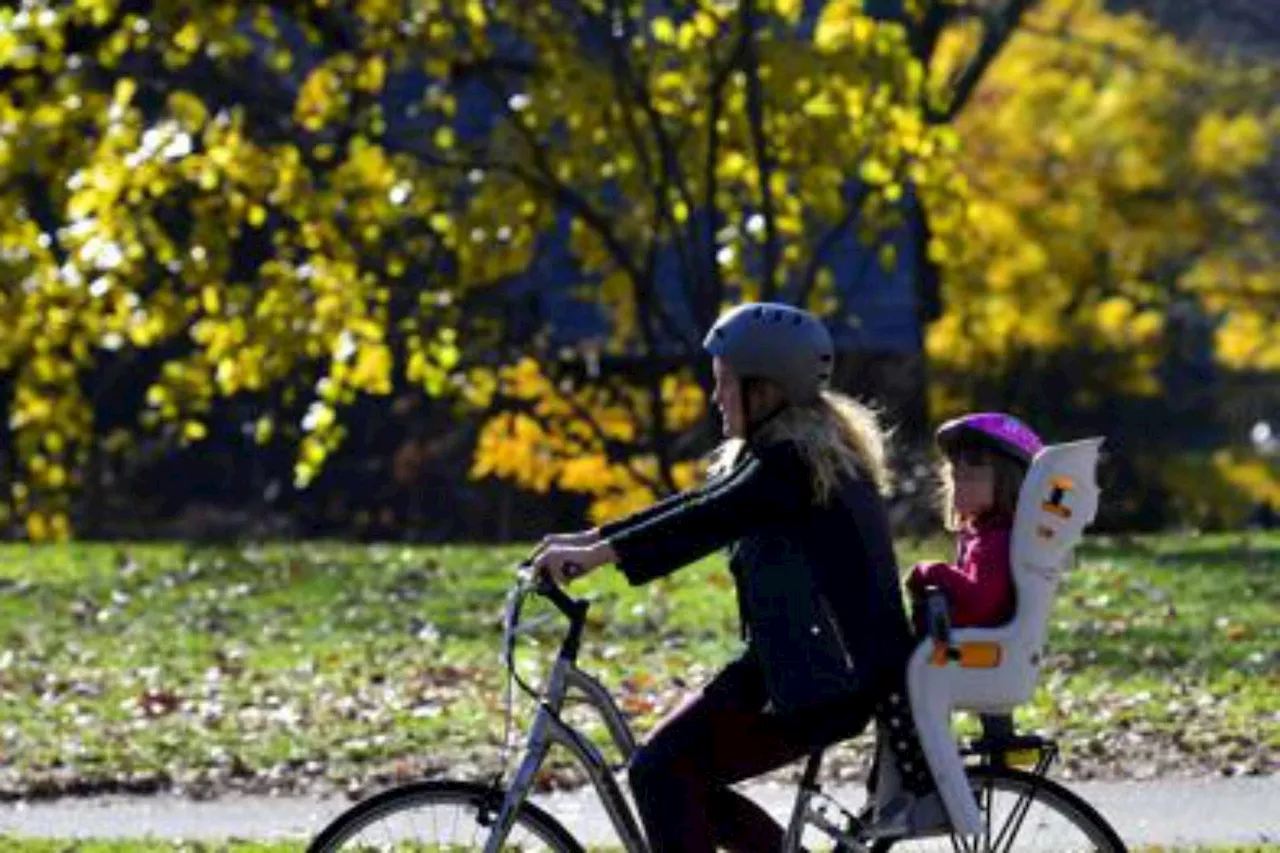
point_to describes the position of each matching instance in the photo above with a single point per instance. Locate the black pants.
(720, 736)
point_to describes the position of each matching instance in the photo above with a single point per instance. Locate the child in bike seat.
(985, 459)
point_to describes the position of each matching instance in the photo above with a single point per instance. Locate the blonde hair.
(837, 436)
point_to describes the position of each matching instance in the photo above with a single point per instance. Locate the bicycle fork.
(536, 748)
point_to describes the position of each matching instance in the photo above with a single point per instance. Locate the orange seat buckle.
(980, 655)
(968, 655)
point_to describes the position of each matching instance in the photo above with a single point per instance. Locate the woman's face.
(728, 399)
(975, 486)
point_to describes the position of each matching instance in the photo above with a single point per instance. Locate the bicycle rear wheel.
(438, 816)
(1022, 812)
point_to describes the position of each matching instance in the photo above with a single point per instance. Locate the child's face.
(975, 486)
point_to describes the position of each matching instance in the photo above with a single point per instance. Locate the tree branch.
(658, 181)
(42, 211)
(668, 150)
(607, 443)
(827, 242)
(756, 120)
(997, 27)
(924, 38)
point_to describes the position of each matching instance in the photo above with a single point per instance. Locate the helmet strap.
(756, 421)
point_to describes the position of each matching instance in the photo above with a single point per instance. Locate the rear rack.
(1029, 751)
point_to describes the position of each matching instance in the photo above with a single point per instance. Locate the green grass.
(328, 665)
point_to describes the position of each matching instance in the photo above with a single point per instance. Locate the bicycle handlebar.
(575, 610)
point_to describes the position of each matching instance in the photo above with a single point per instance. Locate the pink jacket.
(979, 584)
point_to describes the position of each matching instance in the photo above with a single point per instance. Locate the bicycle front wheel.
(438, 816)
(1022, 812)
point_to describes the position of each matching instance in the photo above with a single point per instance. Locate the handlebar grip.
(563, 602)
(566, 604)
(573, 609)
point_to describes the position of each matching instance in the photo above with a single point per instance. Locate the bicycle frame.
(549, 729)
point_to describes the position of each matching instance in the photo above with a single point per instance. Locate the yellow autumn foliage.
(584, 440)
(652, 158)
(1220, 488)
(1113, 174)
(273, 217)
(130, 220)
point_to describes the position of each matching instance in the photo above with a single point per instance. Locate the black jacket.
(817, 584)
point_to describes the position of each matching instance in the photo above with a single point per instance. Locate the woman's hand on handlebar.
(561, 563)
(580, 539)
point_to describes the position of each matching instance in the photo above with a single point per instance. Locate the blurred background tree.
(1122, 270)
(182, 226)
(334, 261)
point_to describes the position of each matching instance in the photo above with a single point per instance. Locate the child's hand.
(923, 575)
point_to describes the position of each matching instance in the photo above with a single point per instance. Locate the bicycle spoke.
(984, 803)
(1022, 812)
(1016, 819)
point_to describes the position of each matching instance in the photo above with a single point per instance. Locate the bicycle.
(498, 817)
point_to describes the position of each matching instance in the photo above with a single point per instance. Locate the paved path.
(1182, 813)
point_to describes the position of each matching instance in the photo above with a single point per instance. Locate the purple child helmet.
(996, 430)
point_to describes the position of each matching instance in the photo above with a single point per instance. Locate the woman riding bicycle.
(827, 635)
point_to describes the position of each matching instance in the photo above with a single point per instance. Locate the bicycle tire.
(1053, 801)
(380, 813)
